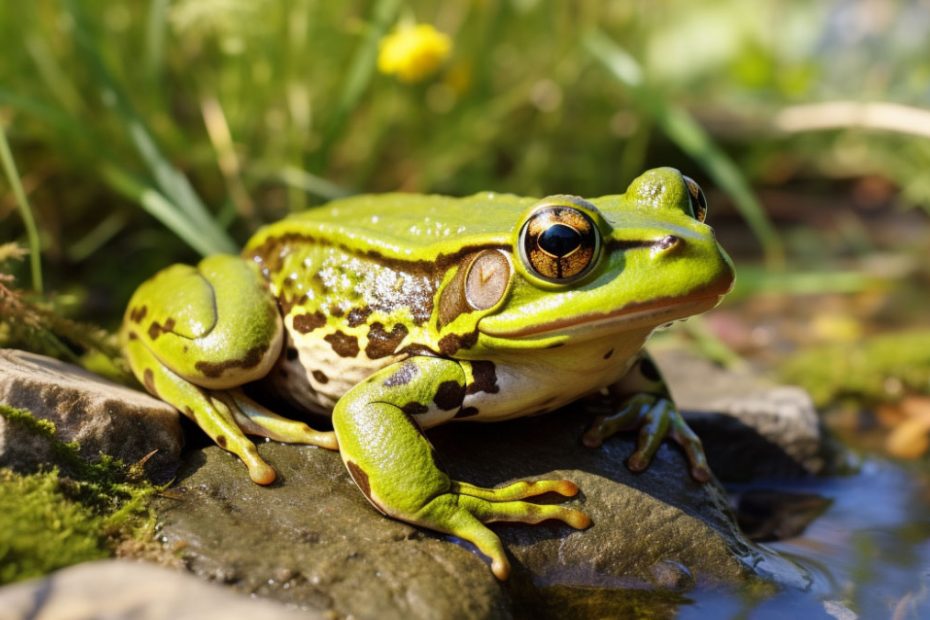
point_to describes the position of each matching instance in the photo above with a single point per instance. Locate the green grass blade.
(683, 130)
(311, 183)
(157, 206)
(155, 29)
(32, 233)
(54, 117)
(172, 183)
(358, 77)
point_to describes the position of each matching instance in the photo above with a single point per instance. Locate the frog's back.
(356, 281)
(403, 226)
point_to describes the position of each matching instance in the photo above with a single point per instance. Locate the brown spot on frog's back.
(608, 355)
(357, 316)
(221, 441)
(155, 329)
(485, 378)
(286, 303)
(343, 344)
(306, 323)
(251, 359)
(381, 342)
(137, 314)
(320, 376)
(450, 343)
(449, 395)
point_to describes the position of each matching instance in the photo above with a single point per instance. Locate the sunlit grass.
(151, 126)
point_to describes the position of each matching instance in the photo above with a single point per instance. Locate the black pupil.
(559, 240)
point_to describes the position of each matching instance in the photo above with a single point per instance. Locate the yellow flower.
(413, 52)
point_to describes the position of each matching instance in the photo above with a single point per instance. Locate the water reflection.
(869, 551)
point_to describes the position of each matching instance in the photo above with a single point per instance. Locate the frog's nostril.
(666, 243)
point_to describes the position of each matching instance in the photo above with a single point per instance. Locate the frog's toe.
(682, 434)
(628, 418)
(503, 503)
(255, 419)
(466, 526)
(261, 472)
(465, 515)
(522, 512)
(654, 428)
(517, 490)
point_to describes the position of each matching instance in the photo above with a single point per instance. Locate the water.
(869, 552)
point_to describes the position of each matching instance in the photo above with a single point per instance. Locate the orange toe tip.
(262, 475)
(567, 488)
(701, 474)
(636, 464)
(501, 569)
(580, 521)
(589, 441)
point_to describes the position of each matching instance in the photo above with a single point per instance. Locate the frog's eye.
(559, 243)
(698, 201)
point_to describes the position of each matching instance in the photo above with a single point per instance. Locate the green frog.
(396, 313)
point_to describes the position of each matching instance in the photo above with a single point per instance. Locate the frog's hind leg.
(393, 463)
(194, 335)
(211, 414)
(255, 419)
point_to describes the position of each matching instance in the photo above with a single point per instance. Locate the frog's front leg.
(393, 464)
(646, 405)
(194, 335)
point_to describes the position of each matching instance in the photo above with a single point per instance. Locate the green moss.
(879, 369)
(41, 529)
(28, 422)
(69, 510)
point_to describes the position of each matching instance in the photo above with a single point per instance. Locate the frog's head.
(583, 269)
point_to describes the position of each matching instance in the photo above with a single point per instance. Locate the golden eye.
(559, 243)
(698, 201)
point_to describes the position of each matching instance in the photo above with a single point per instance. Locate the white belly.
(529, 382)
(534, 382)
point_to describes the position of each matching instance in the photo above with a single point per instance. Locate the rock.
(750, 427)
(100, 415)
(133, 591)
(312, 539)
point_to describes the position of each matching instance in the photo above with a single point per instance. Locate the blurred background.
(138, 134)
(146, 133)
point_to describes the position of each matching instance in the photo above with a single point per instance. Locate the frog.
(395, 313)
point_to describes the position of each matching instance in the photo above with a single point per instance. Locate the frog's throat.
(630, 317)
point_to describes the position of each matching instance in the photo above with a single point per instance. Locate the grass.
(185, 125)
(32, 233)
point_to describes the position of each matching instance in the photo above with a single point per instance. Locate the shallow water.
(869, 552)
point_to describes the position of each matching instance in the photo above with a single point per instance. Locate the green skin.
(400, 312)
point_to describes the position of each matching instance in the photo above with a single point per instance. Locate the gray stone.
(123, 590)
(312, 539)
(100, 415)
(750, 427)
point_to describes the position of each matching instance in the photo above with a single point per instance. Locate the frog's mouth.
(643, 315)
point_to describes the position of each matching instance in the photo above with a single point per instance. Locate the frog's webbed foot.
(393, 463)
(465, 508)
(656, 417)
